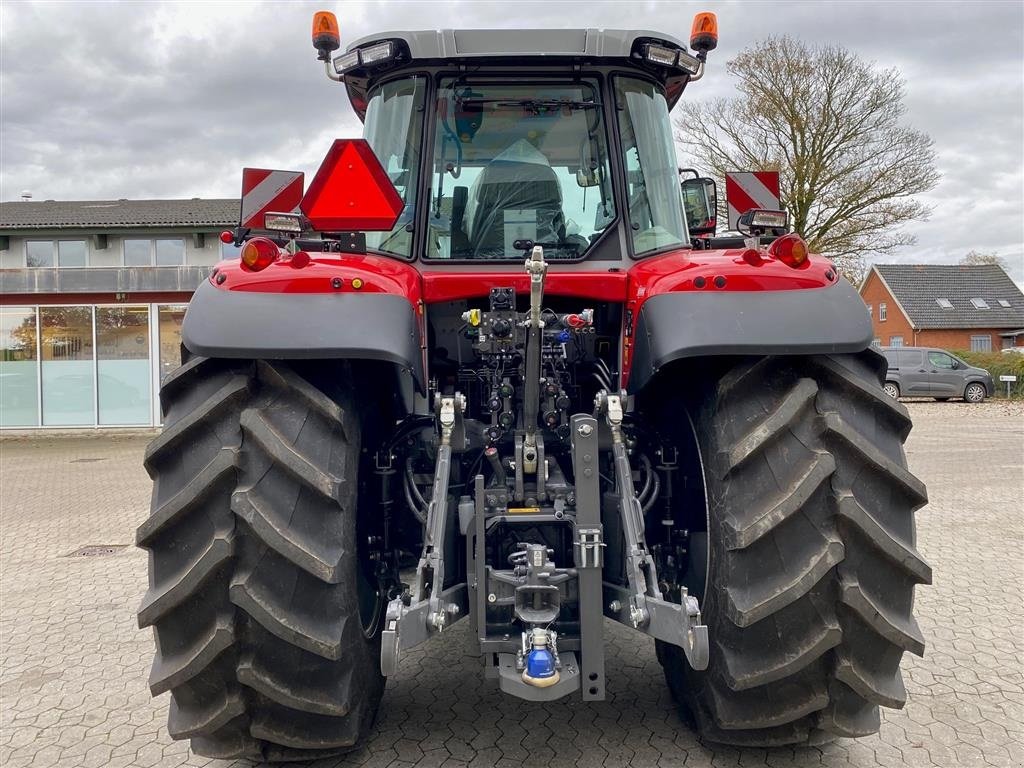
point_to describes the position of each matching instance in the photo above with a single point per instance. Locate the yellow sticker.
(523, 510)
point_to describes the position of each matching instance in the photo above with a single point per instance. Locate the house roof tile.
(117, 214)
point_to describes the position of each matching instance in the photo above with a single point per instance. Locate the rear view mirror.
(700, 201)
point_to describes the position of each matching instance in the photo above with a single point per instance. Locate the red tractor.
(492, 368)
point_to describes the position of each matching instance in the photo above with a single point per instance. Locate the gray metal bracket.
(588, 552)
(406, 626)
(410, 619)
(641, 604)
(674, 623)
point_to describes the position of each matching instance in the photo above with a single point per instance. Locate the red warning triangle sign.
(351, 191)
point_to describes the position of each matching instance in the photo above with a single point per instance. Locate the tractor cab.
(500, 140)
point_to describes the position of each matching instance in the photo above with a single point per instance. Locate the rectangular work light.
(659, 54)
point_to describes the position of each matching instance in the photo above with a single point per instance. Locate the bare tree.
(977, 257)
(830, 123)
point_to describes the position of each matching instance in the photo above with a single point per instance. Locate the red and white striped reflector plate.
(743, 191)
(265, 191)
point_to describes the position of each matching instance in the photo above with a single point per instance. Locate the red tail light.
(259, 253)
(790, 250)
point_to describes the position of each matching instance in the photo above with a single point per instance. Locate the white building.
(92, 295)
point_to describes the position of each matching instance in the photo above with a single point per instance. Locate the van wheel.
(974, 393)
(891, 390)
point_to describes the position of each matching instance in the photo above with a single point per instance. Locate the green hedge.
(998, 364)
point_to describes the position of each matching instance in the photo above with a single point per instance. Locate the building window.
(138, 253)
(39, 253)
(1004, 303)
(162, 253)
(979, 303)
(944, 303)
(170, 253)
(981, 343)
(876, 342)
(895, 341)
(87, 365)
(170, 316)
(883, 312)
(43, 254)
(19, 373)
(871, 310)
(72, 253)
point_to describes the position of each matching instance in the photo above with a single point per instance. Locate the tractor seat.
(522, 193)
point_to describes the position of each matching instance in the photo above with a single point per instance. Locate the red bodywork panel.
(317, 273)
(447, 285)
(675, 271)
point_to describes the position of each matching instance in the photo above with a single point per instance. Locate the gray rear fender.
(810, 321)
(292, 326)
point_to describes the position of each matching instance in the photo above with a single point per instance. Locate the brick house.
(974, 307)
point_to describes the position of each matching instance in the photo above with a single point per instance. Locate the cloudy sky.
(141, 99)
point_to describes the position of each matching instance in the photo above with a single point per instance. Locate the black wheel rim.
(371, 601)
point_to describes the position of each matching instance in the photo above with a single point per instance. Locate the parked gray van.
(929, 372)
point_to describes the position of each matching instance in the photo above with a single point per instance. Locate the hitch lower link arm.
(641, 604)
(411, 618)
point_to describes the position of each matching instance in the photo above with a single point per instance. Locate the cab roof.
(472, 43)
(512, 48)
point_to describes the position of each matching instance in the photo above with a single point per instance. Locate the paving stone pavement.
(73, 665)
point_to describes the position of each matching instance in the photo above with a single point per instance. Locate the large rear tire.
(811, 566)
(265, 624)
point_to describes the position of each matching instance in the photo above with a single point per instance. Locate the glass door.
(122, 365)
(69, 393)
(19, 372)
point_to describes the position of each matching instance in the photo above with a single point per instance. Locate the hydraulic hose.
(645, 507)
(417, 504)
